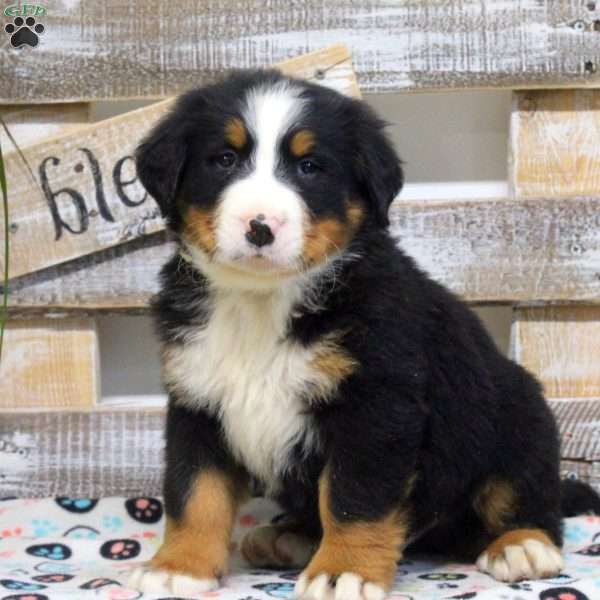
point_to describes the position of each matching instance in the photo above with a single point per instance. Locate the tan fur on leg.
(195, 552)
(360, 557)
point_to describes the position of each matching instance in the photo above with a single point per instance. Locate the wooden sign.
(138, 49)
(78, 193)
(27, 125)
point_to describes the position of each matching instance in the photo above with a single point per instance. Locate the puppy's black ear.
(378, 167)
(160, 159)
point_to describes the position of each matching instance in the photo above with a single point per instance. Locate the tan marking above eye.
(236, 133)
(302, 142)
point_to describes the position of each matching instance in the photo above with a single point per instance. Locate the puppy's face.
(267, 175)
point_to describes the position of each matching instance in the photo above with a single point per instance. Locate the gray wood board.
(135, 48)
(81, 454)
(489, 250)
(120, 452)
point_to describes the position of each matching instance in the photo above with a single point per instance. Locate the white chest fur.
(241, 367)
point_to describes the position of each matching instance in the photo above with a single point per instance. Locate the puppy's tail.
(578, 498)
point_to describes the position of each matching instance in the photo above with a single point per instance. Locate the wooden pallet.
(538, 249)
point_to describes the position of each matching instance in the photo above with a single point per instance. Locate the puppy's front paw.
(346, 586)
(160, 581)
(521, 554)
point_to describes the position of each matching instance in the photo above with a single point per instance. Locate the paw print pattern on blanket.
(87, 560)
(563, 594)
(120, 549)
(51, 551)
(144, 510)
(26, 597)
(76, 505)
(21, 586)
(43, 527)
(53, 578)
(112, 523)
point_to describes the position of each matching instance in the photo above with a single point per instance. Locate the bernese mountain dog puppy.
(307, 356)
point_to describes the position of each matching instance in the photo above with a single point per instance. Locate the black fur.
(434, 410)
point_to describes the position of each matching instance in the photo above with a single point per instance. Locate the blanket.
(80, 549)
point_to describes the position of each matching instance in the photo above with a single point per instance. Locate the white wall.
(449, 141)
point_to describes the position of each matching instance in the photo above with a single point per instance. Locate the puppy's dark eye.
(308, 167)
(226, 160)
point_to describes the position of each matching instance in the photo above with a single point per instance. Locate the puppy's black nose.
(260, 234)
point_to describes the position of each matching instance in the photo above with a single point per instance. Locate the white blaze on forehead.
(270, 112)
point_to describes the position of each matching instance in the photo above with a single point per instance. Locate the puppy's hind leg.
(525, 545)
(281, 545)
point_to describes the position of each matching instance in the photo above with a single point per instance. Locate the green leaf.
(4, 310)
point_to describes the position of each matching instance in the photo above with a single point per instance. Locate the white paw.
(530, 559)
(156, 581)
(348, 586)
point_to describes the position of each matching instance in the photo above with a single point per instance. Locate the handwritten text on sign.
(79, 193)
(75, 218)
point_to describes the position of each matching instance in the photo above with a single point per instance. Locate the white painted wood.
(135, 48)
(77, 194)
(490, 250)
(81, 454)
(120, 452)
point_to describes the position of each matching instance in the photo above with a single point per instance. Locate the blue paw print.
(575, 533)
(276, 590)
(51, 551)
(20, 586)
(76, 505)
(112, 523)
(43, 527)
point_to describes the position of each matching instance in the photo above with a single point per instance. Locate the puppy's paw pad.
(158, 581)
(530, 559)
(348, 586)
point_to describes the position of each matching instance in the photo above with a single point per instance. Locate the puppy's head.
(267, 176)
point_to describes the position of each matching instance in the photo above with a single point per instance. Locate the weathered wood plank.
(588, 471)
(103, 453)
(50, 363)
(579, 424)
(78, 193)
(81, 454)
(555, 143)
(28, 125)
(561, 346)
(134, 48)
(485, 250)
